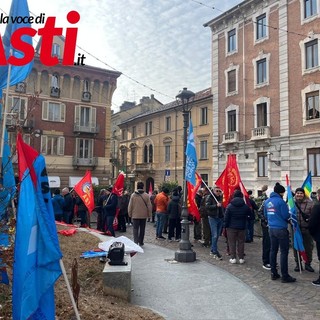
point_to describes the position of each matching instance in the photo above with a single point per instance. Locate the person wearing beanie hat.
(303, 211)
(235, 220)
(277, 213)
(278, 188)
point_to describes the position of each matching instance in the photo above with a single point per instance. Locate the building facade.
(64, 112)
(265, 85)
(151, 142)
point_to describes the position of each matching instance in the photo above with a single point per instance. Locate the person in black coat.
(236, 215)
(109, 211)
(174, 214)
(314, 229)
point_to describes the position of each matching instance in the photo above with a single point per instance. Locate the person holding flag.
(304, 206)
(109, 211)
(277, 213)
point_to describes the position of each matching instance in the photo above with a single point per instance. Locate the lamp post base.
(185, 256)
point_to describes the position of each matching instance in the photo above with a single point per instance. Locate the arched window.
(145, 154)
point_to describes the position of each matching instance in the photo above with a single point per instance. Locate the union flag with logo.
(84, 190)
(230, 180)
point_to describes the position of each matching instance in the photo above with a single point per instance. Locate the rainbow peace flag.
(307, 185)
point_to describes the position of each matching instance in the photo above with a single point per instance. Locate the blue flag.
(191, 159)
(18, 73)
(36, 253)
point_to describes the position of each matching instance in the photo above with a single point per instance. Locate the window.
(19, 107)
(262, 115)
(53, 111)
(204, 149)
(262, 165)
(55, 81)
(133, 155)
(205, 179)
(310, 8)
(232, 42)
(312, 105)
(148, 128)
(148, 153)
(232, 81)
(124, 134)
(168, 123)
(261, 71)
(84, 148)
(203, 116)
(85, 86)
(261, 27)
(167, 154)
(56, 50)
(232, 121)
(52, 145)
(134, 132)
(85, 118)
(311, 54)
(123, 157)
(314, 161)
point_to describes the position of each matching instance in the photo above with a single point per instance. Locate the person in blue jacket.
(277, 213)
(58, 204)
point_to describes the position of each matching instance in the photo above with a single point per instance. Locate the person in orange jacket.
(161, 202)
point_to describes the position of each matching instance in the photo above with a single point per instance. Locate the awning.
(74, 180)
(54, 182)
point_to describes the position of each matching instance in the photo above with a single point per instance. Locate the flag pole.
(210, 191)
(69, 289)
(5, 111)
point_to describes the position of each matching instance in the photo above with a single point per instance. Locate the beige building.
(64, 112)
(265, 85)
(151, 142)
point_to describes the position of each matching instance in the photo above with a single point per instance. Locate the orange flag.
(191, 197)
(85, 191)
(229, 179)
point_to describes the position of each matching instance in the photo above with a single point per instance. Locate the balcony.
(20, 87)
(231, 137)
(143, 167)
(28, 124)
(84, 162)
(87, 128)
(260, 133)
(55, 92)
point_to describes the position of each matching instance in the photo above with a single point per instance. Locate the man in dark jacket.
(68, 207)
(314, 229)
(235, 219)
(174, 213)
(277, 213)
(215, 213)
(109, 211)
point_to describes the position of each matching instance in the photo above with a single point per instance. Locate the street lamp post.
(185, 253)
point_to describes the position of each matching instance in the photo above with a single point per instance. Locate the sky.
(159, 46)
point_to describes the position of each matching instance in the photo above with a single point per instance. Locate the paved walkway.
(195, 290)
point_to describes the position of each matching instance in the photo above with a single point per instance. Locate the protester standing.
(235, 219)
(206, 232)
(58, 204)
(109, 211)
(82, 212)
(174, 213)
(277, 213)
(161, 202)
(139, 209)
(250, 221)
(99, 209)
(68, 206)
(314, 229)
(303, 211)
(215, 212)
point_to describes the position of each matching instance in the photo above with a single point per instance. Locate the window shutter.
(45, 110)
(94, 117)
(62, 112)
(77, 115)
(61, 146)
(44, 143)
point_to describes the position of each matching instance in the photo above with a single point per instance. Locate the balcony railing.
(87, 162)
(231, 137)
(142, 167)
(260, 133)
(89, 128)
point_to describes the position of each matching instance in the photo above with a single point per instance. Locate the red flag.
(245, 194)
(229, 179)
(119, 184)
(85, 191)
(191, 197)
(150, 190)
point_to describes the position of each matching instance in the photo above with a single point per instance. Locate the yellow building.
(151, 142)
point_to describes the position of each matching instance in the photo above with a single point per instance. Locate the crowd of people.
(235, 222)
